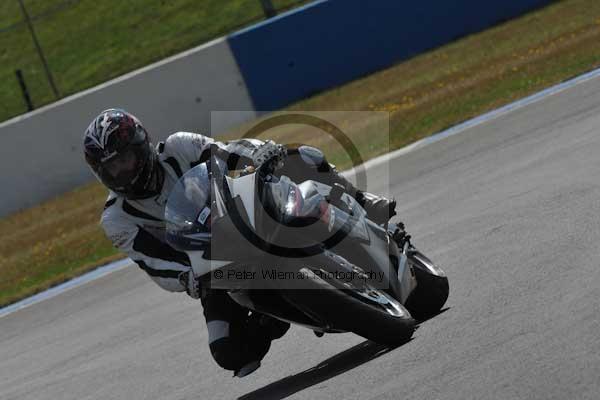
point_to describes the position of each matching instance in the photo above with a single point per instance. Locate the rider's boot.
(379, 209)
(306, 162)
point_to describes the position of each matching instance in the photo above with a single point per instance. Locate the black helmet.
(119, 152)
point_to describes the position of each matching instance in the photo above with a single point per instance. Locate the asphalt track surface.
(511, 210)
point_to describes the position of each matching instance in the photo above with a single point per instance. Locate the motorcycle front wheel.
(432, 289)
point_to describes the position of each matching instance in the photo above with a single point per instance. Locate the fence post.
(39, 49)
(24, 90)
(268, 8)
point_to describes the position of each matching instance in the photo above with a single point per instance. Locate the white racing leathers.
(237, 341)
(137, 227)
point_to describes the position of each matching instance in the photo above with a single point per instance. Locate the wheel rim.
(380, 299)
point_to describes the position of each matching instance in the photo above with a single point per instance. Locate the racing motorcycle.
(304, 253)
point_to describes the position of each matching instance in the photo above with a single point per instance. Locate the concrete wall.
(41, 154)
(264, 67)
(331, 42)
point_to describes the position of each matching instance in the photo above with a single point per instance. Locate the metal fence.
(53, 48)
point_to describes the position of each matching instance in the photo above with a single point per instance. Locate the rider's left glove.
(191, 284)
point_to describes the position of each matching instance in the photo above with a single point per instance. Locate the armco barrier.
(41, 153)
(331, 42)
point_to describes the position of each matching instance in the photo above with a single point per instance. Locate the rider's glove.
(269, 152)
(191, 284)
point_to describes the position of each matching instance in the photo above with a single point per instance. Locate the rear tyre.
(432, 289)
(372, 314)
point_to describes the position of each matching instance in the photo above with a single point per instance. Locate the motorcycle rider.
(140, 177)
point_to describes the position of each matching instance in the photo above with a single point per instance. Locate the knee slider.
(225, 355)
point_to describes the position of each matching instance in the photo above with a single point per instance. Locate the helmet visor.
(121, 170)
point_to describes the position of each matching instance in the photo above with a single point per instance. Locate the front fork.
(405, 273)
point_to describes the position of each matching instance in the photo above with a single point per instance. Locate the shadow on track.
(333, 366)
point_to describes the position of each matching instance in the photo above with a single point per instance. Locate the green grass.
(87, 42)
(50, 243)
(44, 245)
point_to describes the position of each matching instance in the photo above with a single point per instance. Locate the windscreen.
(188, 210)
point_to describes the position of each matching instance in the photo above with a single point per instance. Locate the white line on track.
(107, 269)
(484, 118)
(47, 294)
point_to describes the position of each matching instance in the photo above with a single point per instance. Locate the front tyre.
(432, 289)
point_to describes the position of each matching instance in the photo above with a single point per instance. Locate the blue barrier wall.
(331, 42)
